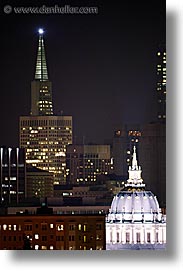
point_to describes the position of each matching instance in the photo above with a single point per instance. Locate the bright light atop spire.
(40, 31)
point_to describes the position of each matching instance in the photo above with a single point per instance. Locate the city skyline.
(102, 66)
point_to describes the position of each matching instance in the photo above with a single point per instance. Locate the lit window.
(98, 237)
(60, 227)
(4, 226)
(9, 226)
(36, 247)
(36, 236)
(51, 247)
(79, 226)
(51, 225)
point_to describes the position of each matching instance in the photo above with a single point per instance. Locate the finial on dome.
(134, 159)
(134, 180)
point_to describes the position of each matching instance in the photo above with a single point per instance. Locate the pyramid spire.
(41, 72)
(41, 87)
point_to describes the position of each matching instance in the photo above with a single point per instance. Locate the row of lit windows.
(161, 116)
(159, 53)
(47, 108)
(44, 141)
(59, 129)
(59, 227)
(81, 179)
(49, 102)
(13, 227)
(55, 147)
(52, 152)
(91, 161)
(44, 136)
(47, 129)
(44, 122)
(27, 227)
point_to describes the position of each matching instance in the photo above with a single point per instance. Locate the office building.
(39, 183)
(43, 134)
(45, 139)
(86, 162)
(12, 175)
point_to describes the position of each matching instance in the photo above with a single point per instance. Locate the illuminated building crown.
(135, 180)
(41, 66)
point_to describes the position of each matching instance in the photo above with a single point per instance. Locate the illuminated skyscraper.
(43, 134)
(41, 87)
(161, 83)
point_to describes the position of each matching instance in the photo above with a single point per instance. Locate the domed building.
(135, 220)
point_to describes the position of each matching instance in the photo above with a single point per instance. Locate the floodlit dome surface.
(136, 202)
(134, 206)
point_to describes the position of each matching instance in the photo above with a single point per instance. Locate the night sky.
(102, 66)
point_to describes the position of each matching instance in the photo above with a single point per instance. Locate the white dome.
(134, 206)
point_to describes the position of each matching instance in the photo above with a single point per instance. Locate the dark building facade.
(161, 83)
(46, 231)
(123, 141)
(12, 175)
(39, 183)
(85, 162)
(152, 154)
